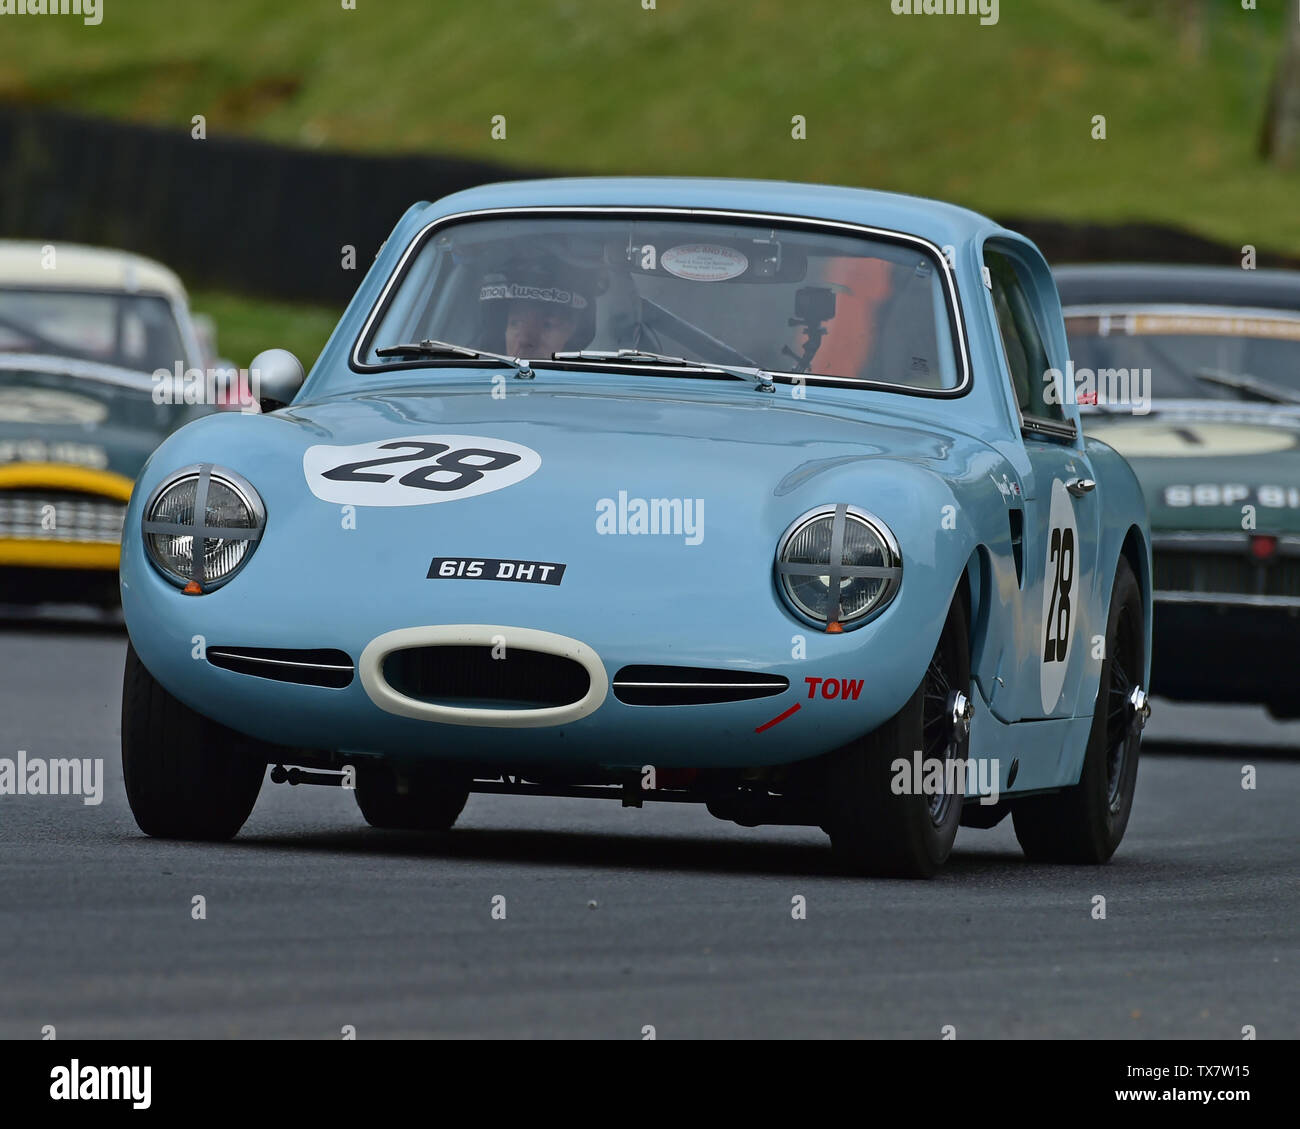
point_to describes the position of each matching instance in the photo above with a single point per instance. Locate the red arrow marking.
(780, 717)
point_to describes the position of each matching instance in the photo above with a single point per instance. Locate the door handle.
(1081, 486)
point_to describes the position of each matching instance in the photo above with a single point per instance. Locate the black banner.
(336, 1077)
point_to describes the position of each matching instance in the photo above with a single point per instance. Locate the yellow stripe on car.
(59, 554)
(62, 476)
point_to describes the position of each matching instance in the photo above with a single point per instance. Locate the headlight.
(838, 565)
(201, 524)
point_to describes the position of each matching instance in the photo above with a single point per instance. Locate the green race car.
(1193, 374)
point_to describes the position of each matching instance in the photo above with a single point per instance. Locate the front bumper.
(172, 633)
(1230, 649)
(55, 516)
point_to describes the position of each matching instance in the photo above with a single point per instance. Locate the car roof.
(78, 267)
(1121, 284)
(932, 219)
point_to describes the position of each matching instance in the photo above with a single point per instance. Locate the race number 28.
(416, 470)
(435, 459)
(1056, 640)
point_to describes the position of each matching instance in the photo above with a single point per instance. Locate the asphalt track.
(618, 919)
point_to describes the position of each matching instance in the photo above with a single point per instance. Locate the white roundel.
(703, 262)
(1061, 596)
(416, 470)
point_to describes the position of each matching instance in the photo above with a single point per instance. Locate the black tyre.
(416, 799)
(1085, 823)
(186, 776)
(872, 829)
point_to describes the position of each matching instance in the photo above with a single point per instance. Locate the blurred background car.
(1215, 354)
(82, 331)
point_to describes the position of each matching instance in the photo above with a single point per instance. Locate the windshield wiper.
(756, 376)
(1248, 385)
(430, 348)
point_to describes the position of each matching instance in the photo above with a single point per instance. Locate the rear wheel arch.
(1136, 551)
(974, 589)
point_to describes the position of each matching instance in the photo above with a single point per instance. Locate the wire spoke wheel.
(1120, 737)
(939, 743)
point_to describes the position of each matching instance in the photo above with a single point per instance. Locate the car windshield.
(785, 300)
(1236, 355)
(133, 331)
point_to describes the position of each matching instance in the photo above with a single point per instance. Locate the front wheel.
(1085, 823)
(186, 776)
(878, 828)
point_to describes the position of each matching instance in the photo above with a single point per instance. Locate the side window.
(1026, 355)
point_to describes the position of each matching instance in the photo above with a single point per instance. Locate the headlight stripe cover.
(836, 574)
(200, 532)
(842, 527)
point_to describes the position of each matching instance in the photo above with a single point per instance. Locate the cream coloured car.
(82, 331)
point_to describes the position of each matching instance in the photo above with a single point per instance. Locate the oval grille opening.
(470, 677)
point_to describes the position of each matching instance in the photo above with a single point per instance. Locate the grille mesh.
(53, 516)
(1199, 571)
(471, 677)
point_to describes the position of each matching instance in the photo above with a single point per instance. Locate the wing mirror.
(276, 375)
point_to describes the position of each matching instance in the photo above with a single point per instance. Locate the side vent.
(1016, 516)
(320, 667)
(691, 686)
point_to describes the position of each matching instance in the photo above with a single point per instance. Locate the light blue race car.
(763, 496)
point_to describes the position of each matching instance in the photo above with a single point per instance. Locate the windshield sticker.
(416, 470)
(49, 405)
(703, 262)
(1186, 325)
